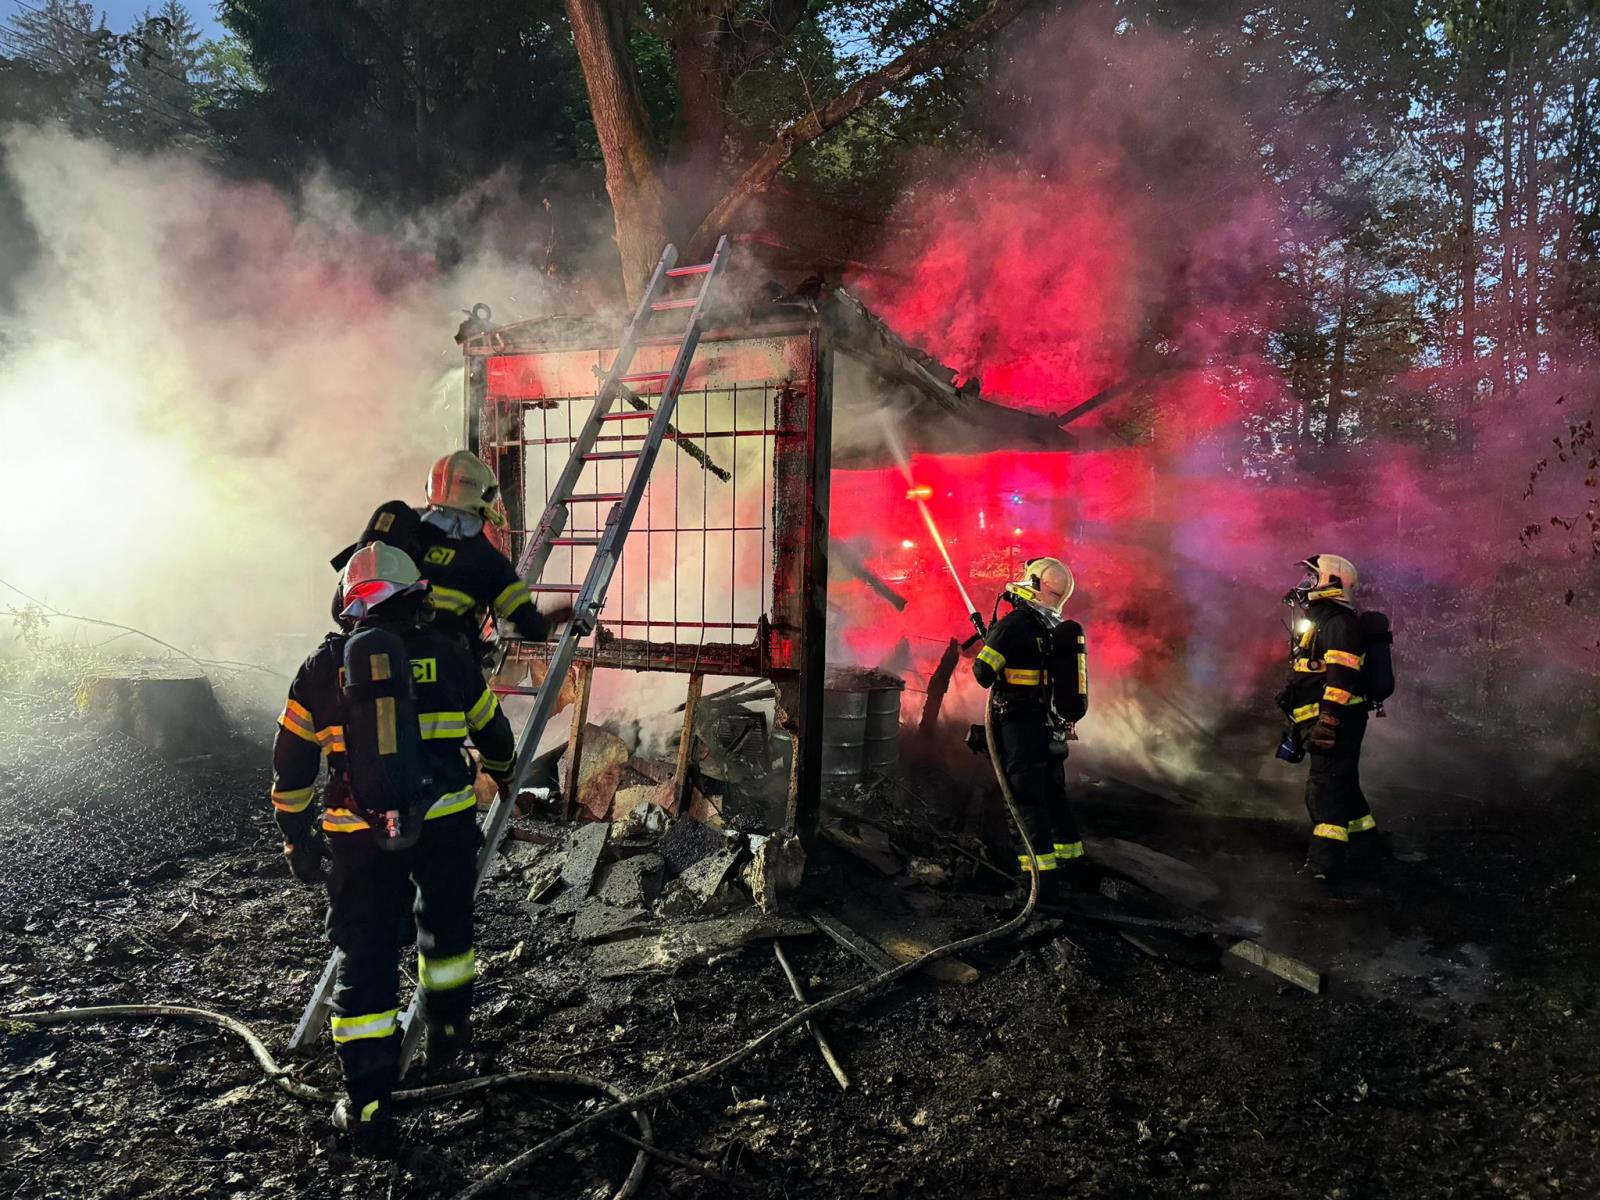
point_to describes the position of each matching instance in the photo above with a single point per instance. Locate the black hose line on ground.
(624, 1104)
(284, 1078)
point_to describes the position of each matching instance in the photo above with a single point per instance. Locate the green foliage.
(44, 661)
(402, 96)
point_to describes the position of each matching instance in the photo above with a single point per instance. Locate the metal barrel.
(844, 733)
(860, 725)
(882, 749)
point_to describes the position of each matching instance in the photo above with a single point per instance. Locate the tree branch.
(758, 39)
(773, 157)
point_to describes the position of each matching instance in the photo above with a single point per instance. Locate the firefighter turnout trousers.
(369, 892)
(1038, 781)
(1340, 819)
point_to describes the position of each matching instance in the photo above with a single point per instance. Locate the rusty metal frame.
(499, 430)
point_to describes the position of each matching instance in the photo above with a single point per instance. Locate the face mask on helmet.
(1327, 577)
(1046, 584)
(1300, 595)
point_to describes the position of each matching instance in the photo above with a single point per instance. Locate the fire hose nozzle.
(977, 623)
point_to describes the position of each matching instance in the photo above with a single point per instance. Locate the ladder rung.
(638, 414)
(602, 455)
(500, 689)
(569, 589)
(680, 272)
(664, 305)
(664, 340)
(595, 497)
(574, 541)
(644, 376)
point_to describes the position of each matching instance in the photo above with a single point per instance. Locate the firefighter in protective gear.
(394, 522)
(471, 578)
(1037, 665)
(1327, 708)
(370, 888)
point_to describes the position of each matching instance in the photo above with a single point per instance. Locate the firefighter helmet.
(1329, 577)
(376, 573)
(464, 482)
(1045, 583)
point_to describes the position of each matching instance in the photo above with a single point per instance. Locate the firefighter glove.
(305, 858)
(1321, 735)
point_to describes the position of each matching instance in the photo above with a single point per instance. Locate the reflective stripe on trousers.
(367, 1025)
(442, 974)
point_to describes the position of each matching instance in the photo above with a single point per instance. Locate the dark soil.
(1455, 1054)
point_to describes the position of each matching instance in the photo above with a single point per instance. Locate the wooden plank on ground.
(1291, 970)
(904, 939)
(866, 951)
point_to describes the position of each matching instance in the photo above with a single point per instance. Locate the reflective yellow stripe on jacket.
(451, 601)
(443, 724)
(1343, 658)
(342, 820)
(297, 720)
(1306, 712)
(481, 713)
(1024, 678)
(292, 801)
(992, 658)
(512, 598)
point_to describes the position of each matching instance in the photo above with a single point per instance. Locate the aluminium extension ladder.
(589, 597)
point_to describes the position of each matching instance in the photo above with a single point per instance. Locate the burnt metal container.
(860, 725)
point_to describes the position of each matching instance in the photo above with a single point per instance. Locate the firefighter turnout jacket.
(1325, 665)
(452, 706)
(1017, 660)
(1036, 668)
(470, 578)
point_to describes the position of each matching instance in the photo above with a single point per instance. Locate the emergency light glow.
(1017, 532)
(920, 492)
(1303, 626)
(906, 544)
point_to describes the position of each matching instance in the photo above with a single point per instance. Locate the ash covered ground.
(1455, 1054)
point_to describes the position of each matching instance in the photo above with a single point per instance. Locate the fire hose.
(623, 1104)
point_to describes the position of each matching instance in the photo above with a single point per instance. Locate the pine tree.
(65, 41)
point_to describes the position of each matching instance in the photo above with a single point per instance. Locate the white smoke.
(209, 386)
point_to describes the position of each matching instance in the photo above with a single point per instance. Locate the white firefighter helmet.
(375, 573)
(1046, 583)
(464, 482)
(1335, 577)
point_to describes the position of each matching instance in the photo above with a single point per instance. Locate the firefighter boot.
(1370, 853)
(448, 1058)
(369, 1124)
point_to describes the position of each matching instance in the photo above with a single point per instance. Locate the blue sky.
(120, 14)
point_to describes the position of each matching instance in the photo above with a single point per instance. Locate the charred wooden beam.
(938, 687)
(676, 438)
(857, 567)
